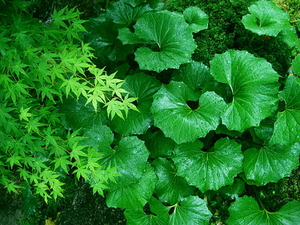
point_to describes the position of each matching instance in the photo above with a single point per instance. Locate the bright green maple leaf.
(287, 125)
(253, 84)
(246, 211)
(209, 170)
(178, 120)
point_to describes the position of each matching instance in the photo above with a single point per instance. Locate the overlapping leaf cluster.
(43, 64)
(204, 129)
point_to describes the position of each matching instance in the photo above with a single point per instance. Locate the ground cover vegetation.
(196, 121)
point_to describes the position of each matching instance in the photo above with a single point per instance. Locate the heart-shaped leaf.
(192, 210)
(270, 163)
(246, 211)
(287, 125)
(197, 19)
(77, 115)
(180, 121)
(158, 144)
(142, 87)
(123, 13)
(172, 41)
(130, 156)
(254, 87)
(212, 169)
(266, 19)
(195, 75)
(170, 188)
(135, 194)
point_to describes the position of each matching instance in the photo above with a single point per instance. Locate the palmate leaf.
(245, 211)
(254, 86)
(197, 19)
(142, 87)
(209, 170)
(170, 188)
(177, 120)
(172, 40)
(287, 125)
(266, 19)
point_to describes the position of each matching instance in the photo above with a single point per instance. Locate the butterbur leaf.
(130, 156)
(192, 210)
(77, 115)
(178, 120)
(125, 14)
(296, 65)
(270, 163)
(172, 41)
(158, 144)
(254, 88)
(142, 87)
(195, 75)
(197, 19)
(158, 214)
(287, 125)
(266, 18)
(170, 188)
(135, 194)
(246, 211)
(209, 170)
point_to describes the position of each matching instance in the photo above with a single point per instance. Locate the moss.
(292, 7)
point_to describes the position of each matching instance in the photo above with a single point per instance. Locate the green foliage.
(42, 64)
(201, 132)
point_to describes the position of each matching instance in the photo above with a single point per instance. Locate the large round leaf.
(209, 170)
(270, 163)
(123, 13)
(178, 120)
(158, 144)
(142, 87)
(130, 156)
(135, 194)
(254, 86)
(170, 187)
(77, 115)
(172, 41)
(192, 210)
(195, 75)
(245, 211)
(197, 19)
(287, 125)
(266, 19)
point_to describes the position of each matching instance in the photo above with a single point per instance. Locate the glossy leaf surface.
(270, 163)
(266, 18)
(245, 211)
(142, 87)
(253, 84)
(212, 169)
(170, 188)
(197, 19)
(178, 120)
(287, 125)
(171, 39)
